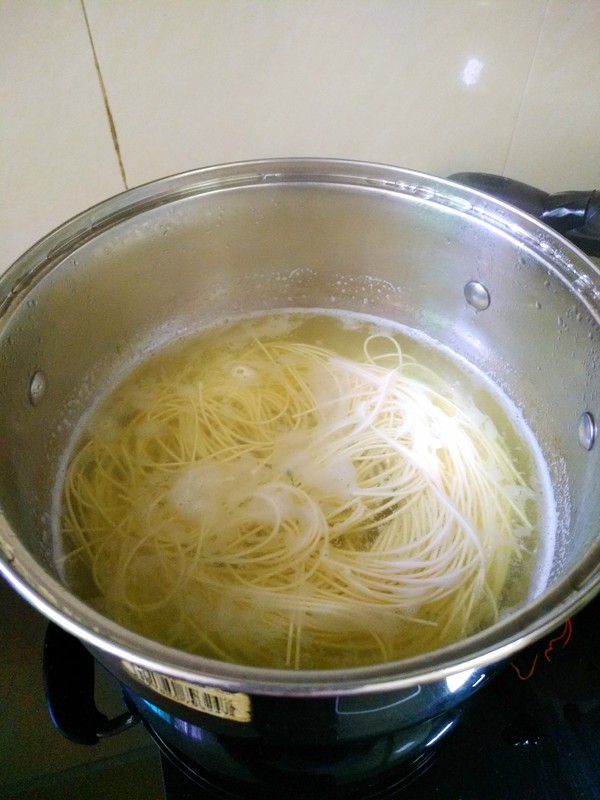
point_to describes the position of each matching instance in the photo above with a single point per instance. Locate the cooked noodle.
(282, 505)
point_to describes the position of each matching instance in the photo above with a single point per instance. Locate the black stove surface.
(532, 734)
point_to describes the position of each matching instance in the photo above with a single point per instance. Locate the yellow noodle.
(279, 504)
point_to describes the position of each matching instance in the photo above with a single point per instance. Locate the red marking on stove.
(529, 674)
(564, 637)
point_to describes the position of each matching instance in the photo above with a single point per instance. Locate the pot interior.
(85, 304)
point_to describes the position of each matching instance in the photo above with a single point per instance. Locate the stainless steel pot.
(488, 281)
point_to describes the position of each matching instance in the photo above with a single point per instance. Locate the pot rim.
(519, 629)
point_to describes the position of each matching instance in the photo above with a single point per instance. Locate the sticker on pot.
(233, 706)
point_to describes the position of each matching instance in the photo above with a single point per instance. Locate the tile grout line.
(525, 87)
(111, 122)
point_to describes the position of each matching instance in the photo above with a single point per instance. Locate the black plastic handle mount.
(576, 215)
(69, 672)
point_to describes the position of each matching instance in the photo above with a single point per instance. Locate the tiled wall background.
(97, 95)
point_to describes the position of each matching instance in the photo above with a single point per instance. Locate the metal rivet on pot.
(37, 387)
(586, 430)
(477, 295)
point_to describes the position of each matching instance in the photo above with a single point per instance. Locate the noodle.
(274, 502)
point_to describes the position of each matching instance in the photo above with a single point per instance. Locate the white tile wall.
(56, 152)
(557, 135)
(403, 82)
(508, 86)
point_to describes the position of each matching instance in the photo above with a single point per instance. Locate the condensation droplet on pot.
(586, 430)
(37, 387)
(9, 553)
(477, 295)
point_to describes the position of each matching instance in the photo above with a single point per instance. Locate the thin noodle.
(282, 505)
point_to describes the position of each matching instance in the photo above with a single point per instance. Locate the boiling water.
(235, 517)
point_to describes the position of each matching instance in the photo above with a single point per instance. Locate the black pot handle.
(69, 687)
(576, 215)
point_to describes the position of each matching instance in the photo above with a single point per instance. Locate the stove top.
(533, 734)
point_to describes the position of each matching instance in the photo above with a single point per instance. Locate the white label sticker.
(234, 706)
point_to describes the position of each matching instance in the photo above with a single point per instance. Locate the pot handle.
(576, 215)
(69, 688)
